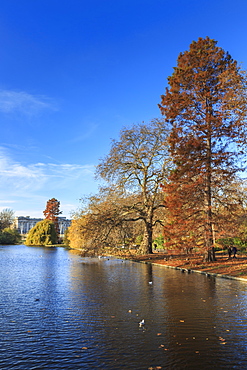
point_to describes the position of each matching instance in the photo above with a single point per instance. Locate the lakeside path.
(223, 267)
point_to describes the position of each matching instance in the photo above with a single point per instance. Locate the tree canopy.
(130, 202)
(106, 220)
(137, 165)
(6, 218)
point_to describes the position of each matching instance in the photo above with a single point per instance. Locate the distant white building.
(24, 224)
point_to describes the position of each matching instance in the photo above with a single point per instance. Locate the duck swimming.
(142, 323)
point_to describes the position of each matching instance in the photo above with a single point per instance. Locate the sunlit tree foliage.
(43, 233)
(137, 164)
(206, 105)
(52, 211)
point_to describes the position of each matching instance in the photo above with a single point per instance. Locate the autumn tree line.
(179, 178)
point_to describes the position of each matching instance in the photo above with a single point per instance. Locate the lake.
(63, 311)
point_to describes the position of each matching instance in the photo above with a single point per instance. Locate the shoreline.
(212, 274)
(234, 268)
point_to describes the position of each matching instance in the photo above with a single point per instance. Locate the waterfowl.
(142, 323)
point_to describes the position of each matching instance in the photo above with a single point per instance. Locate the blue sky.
(74, 73)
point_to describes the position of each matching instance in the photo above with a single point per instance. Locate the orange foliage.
(52, 211)
(206, 104)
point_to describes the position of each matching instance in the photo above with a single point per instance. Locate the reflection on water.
(61, 311)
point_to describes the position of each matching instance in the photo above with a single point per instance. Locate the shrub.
(159, 242)
(43, 233)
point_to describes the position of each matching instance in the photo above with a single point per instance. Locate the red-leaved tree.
(52, 211)
(206, 105)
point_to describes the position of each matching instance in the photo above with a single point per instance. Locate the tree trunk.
(209, 256)
(146, 244)
(208, 226)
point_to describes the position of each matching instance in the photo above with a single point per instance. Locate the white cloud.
(29, 186)
(22, 102)
(39, 172)
(14, 175)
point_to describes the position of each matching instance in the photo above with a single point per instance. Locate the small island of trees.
(46, 232)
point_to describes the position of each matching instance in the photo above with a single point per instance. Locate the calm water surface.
(62, 311)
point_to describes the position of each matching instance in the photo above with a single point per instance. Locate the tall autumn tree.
(52, 211)
(137, 164)
(206, 105)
